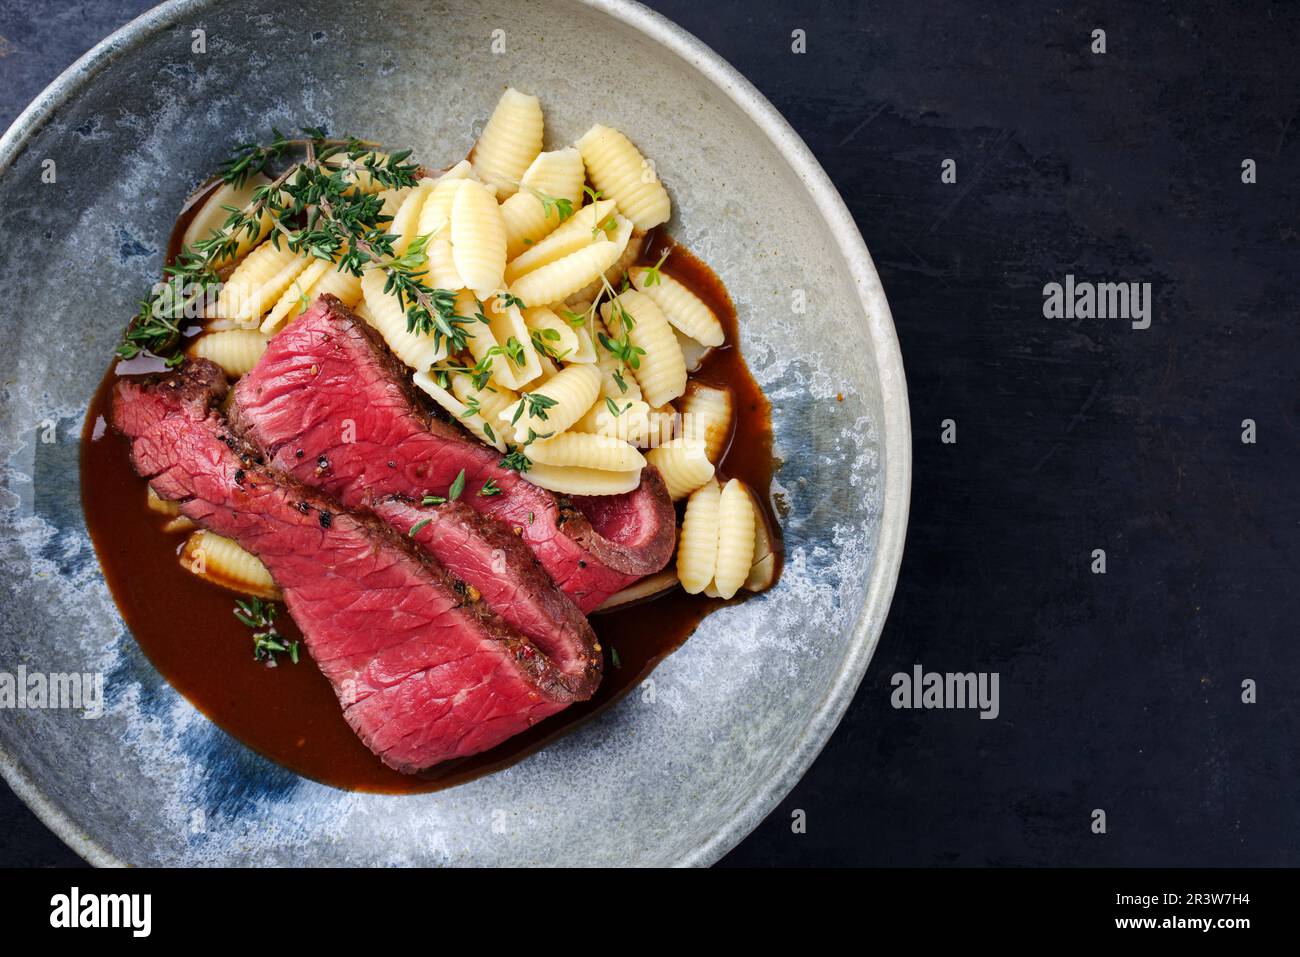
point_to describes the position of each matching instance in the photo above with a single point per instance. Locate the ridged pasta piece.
(683, 464)
(235, 350)
(618, 170)
(473, 421)
(685, 310)
(707, 414)
(222, 562)
(662, 369)
(180, 523)
(584, 450)
(510, 141)
(258, 282)
(443, 273)
(697, 546)
(341, 284)
(651, 586)
(297, 297)
(579, 481)
(319, 278)
(692, 352)
(579, 231)
(735, 539)
(557, 335)
(478, 239)
(762, 570)
(663, 426)
(563, 277)
(435, 214)
(406, 221)
(504, 340)
(556, 405)
(159, 504)
(614, 273)
(489, 400)
(212, 215)
(387, 316)
(557, 175)
(627, 420)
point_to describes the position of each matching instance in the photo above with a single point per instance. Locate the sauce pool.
(289, 713)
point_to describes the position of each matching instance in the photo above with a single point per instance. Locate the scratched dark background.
(1119, 691)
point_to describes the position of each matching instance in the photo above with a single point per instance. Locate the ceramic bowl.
(738, 713)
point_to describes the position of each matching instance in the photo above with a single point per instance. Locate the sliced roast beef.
(329, 404)
(423, 670)
(486, 555)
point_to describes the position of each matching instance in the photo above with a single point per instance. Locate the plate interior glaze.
(677, 772)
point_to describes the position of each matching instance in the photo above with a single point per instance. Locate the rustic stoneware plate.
(739, 712)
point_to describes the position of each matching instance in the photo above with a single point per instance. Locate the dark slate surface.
(1119, 691)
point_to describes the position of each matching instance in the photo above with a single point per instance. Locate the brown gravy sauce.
(289, 713)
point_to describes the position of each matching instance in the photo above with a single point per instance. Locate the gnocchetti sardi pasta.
(559, 330)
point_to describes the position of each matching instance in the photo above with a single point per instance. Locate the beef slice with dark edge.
(423, 672)
(329, 404)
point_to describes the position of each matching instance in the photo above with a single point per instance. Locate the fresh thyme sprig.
(314, 208)
(260, 615)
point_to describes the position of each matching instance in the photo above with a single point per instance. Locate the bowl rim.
(894, 429)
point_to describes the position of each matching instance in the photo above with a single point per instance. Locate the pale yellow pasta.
(618, 170)
(697, 546)
(212, 215)
(504, 342)
(222, 562)
(662, 369)
(435, 214)
(509, 142)
(178, 524)
(406, 221)
(663, 426)
(235, 350)
(586, 350)
(613, 275)
(462, 412)
(297, 297)
(555, 406)
(559, 337)
(491, 399)
(338, 283)
(478, 239)
(685, 310)
(534, 211)
(319, 278)
(707, 415)
(584, 450)
(563, 277)
(549, 370)
(387, 316)
(649, 587)
(735, 539)
(762, 571)
(258, 282)
(692, 352)
(579, 481)
(559, 174)
(159, 504)
(629, 417)
(579, 231)
(683, 464)
(443, 273)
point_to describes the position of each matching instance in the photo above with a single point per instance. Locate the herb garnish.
(457, 487)
(315, 209)
(650, 276)
(267, 641)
